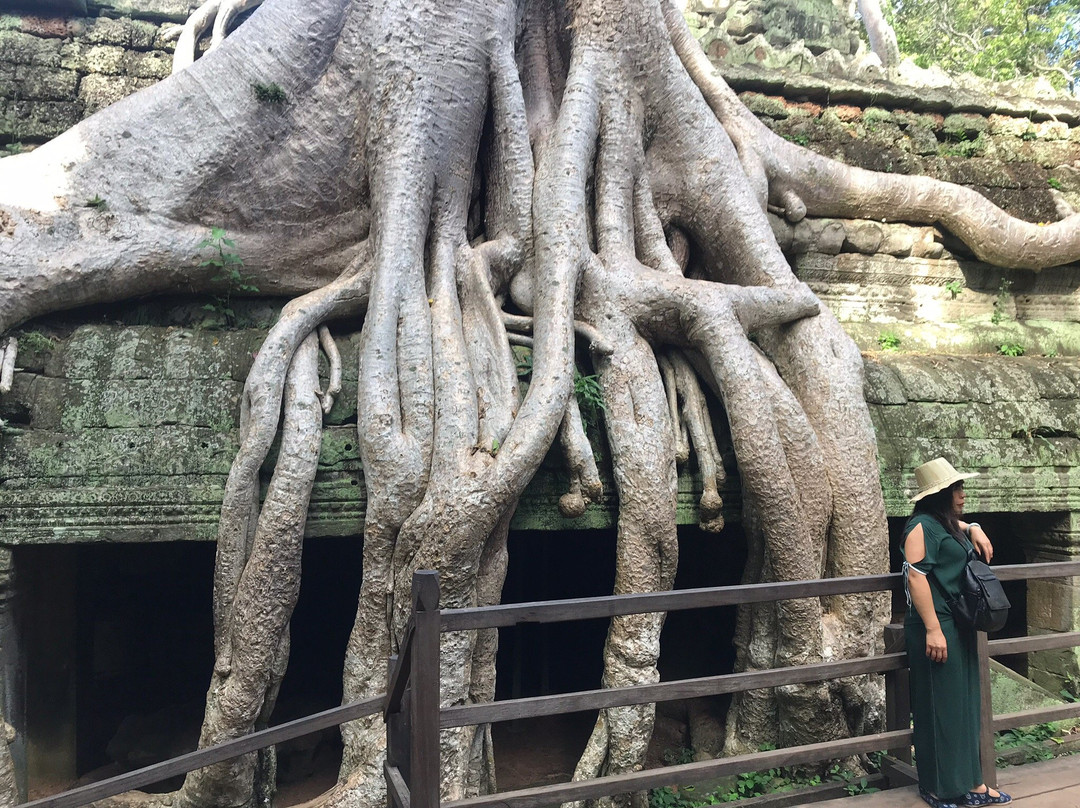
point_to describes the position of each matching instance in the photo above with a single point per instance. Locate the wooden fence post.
(897, 692)
(986, 710)
(424, 709)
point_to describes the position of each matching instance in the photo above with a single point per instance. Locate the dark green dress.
(944, 695)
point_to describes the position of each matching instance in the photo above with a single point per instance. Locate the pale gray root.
(780, 462)
(830, 188)
(265, 595)
(197, 23)
(594, 340)
(881, 34)
(695, 422)
(7, 364)
(471, 490)
(585, 484)
(333, 356)
(491, 574)
(647, 547)
(260, 414)
(266, 762)
(754, 715)
(217, 14)
(682, 439)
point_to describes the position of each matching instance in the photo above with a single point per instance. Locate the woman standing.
(944, 670)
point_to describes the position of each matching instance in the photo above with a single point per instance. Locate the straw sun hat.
(937, 475)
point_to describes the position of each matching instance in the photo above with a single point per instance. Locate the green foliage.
(961, 146)
(96, 202)
(1029, 134)
(997, 39)
(677, 757)
(35, 341)
(228, 266)
(799, 140)
(754, 784)
(268, 93)
(888, 341)
(1011, 349)
(523, 361)
(1055, 183)
(1031, 739)
(586, 388)
(590, 400)
(10, 149)
(954, 288)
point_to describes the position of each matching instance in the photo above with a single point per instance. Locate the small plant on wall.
(888, 341)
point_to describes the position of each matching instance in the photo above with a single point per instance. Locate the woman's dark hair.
(940, 506)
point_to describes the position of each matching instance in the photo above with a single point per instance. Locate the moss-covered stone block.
(18, 48)
(768, 105)
(37, 120)
(37, 83)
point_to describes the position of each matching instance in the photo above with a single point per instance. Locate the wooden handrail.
(1040, 715)
(200, 758)
(510, 709)
(684, 774)
(557, 611)
(1034, 642)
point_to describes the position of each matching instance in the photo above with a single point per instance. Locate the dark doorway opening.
(117, 646)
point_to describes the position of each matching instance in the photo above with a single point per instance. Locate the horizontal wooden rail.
(544, 796)
(510, 709)
(557, 611)
(200, 758)
(1028, 572)
(1034, 642)
(1040, 715)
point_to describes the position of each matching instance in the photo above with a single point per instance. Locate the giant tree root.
(447, 171)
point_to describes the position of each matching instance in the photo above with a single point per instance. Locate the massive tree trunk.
(460, 175)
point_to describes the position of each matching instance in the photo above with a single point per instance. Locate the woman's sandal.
(975, 798)
(937, 802)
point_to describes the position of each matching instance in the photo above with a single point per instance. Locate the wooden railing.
(412, 766)
(414, 717)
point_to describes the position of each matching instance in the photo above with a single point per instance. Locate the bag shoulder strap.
(940, 589)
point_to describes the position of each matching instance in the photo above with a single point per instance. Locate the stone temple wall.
(63, 61)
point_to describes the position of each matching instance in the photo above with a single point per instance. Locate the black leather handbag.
(981, 604)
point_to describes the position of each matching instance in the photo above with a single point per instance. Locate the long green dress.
(944, 695)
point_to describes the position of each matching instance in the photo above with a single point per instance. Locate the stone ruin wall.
(63, 61)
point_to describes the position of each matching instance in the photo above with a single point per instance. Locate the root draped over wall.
(462, 176)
